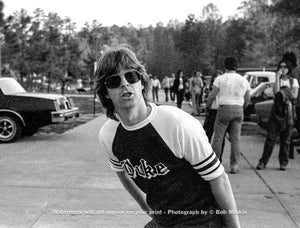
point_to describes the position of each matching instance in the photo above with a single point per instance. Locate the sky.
(121, 12)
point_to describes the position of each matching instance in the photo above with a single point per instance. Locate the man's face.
(128, 92)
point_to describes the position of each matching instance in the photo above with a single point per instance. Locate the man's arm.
(246, 99)
(134, 191)
(294, 92)
(212, 96)
(222, 192)
(276, 87)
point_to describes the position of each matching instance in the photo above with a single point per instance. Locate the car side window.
(263, 79)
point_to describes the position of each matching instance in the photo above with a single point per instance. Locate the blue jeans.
(155, 93)
(179, 95)
(229, 118)
(285, 140)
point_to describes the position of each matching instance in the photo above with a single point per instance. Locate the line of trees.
(53, 47)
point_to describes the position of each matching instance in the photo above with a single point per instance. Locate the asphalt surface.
(65, 181)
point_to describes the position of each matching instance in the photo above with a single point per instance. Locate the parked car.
(22, 113)
(263, 110)
(261, 88)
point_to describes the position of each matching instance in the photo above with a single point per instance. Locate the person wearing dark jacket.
(281, 121)
(179, 87)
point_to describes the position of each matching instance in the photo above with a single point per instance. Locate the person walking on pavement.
(172, 93)
(295, 73)
(179, 87)
(160, 153)
(281, 120)
(233, 92)
(211, 111)
(196, 86)
(166, 86)
(155, 87)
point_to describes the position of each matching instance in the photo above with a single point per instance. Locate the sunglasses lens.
(113, 82)
(132, 77)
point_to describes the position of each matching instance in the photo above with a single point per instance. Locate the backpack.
(283, 108)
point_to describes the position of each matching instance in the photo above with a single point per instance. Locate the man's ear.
(107, 96)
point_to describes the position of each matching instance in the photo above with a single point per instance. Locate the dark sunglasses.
(282, 66)
(114, 81)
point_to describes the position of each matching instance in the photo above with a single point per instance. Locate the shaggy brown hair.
(110, 63)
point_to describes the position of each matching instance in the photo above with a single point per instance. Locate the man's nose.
(124, 82)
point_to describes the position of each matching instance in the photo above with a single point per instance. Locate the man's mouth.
(127, 94)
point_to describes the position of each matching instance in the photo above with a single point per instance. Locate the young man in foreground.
(160, 153)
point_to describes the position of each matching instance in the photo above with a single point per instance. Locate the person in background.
(233, 92)
(179, 87)
(295, 73)
(211, 110)
(160, 153)
(155, 88)
(206, 91)
(187, 94)
(172, 93)
(281, 121)
(150, 85)
(166, 86)
(196, 86)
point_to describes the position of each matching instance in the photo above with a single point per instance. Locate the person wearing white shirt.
(166, 86)
(233, 93)
(155, 87)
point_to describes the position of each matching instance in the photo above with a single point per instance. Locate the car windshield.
(11, 86)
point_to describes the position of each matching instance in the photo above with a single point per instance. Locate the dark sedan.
(263, 110)
(22, 113)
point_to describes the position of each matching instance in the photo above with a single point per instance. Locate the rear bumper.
(63, 115)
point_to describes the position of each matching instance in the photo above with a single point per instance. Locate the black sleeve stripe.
(212, 154)
(209, 165)
(212, 170)
(115, 163)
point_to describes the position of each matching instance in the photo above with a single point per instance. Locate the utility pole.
(1, 42)
(98, 36)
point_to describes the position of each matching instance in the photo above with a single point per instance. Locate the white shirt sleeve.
(198, 151)
(295, 83)
(186, 138)
(106, 136)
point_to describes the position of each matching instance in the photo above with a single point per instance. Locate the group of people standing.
(166, 85)
(230, 96)
(177, 87)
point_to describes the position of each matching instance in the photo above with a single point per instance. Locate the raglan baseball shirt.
(169, 158)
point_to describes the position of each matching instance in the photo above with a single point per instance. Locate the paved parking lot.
(65, 181)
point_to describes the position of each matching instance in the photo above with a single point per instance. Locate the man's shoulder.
(173, 115)
(108, 128)
(168, 110)
(239, 77)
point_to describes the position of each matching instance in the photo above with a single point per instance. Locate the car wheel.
(10, 129)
